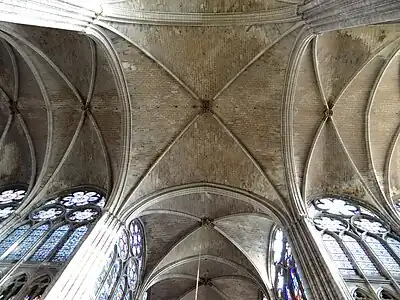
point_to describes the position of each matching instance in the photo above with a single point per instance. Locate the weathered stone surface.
(201, 6)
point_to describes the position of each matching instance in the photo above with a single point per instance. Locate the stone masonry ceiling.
(203, 131)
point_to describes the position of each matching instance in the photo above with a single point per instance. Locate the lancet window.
(11, 197)
(361, 244)
(287, 281)
(122, 272)
(51, 233)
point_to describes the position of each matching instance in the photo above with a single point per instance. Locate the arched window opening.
(386, 295)
(287, 280)
(12, 289)
(24, 288)
(52, 232)
(11, 197)
(55, 229)
(37, 288)
(359, 294)
(121, 275)
(361, 244)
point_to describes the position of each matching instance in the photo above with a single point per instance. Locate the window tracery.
(121, 274)
(386, 295)
(52, 232)
(11, 197)
(23, 287)
(361, 244)
(287, 283)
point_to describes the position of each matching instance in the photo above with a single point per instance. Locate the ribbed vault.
(187, 126)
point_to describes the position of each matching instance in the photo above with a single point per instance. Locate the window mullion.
(358, 268)
(25, 256)
(117, 282)
(60, 243)
(110, 266)
(19, 241)
(379, 264)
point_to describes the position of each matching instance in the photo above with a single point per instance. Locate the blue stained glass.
(42, 253)
(70, 245)
(6, 243)
(384, 255)
(104, 271)
(28, 242)
(128, 296)
(395, 245)
(110, 281)
(119, 294)
(359, 255)
(337, 254)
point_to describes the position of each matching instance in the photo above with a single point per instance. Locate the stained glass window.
(104, 271)
(10, 198)
(394, 244)
(337, 254)
(129, 253)
(358, 240)
(70, 245)
(123, 245)
(132, 274)
(120, 292)
(111, 280)
(13, 237)
(287, 279)
(29, 241)
(360, 256)
(45, 249)
(80, 198)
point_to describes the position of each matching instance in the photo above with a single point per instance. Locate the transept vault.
(211, 121)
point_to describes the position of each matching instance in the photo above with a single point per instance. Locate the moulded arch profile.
(135, 209)
(78, 196)
(354, 205)
(360, 294)
(385, 294)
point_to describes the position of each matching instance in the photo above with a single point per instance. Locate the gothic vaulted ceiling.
(191, 139)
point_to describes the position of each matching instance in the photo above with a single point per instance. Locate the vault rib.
(177, 138)
(170, 212)
(309, 159)
(6, 129)
(149, 55)
(67, 152)
(123, 92)
(354, 167)
(103, 148)
(8, 37)
(368, 120)
(15, 69)
(47, 59)
(389, 157)
(155, 277)
(362, 67)
(93, 71)
(31, 150)
(261, 53)
(252, 159)
(317, 72)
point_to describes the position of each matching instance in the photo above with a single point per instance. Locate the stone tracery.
(244, 138)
